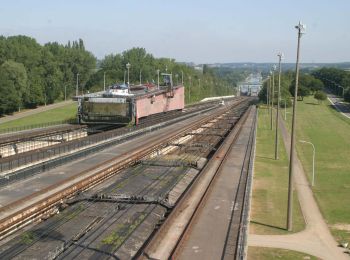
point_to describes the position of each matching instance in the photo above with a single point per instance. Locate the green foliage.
(32, 74)
(320, 96)
(332, 78)
(13, 81)
(347, 95)
(198, 85)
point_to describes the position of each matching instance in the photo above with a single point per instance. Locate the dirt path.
(316, 239)
(34, 111)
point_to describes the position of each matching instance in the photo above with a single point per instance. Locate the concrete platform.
(38, 182)
(207, 237)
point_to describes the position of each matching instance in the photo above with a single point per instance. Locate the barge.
(123, 104)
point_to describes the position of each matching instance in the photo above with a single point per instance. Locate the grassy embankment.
(263, 253)
(53, 115)
(329, 131)
(269, 201)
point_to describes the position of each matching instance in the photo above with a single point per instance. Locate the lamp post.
(158, 78)
(280, 56)
(301, 28)
(77, 88)
(273, 91)
(342, 89)
(313, 160)
(128, 68)
(104, 81)
(268, 93)
(140, 77)
(189, 89)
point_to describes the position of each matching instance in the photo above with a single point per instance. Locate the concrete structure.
(251, 86)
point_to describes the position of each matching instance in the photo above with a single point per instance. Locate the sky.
(200, 31)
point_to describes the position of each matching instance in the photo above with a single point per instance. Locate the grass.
(53, 115)
(263, 253)
(329, 131)
(269, 199)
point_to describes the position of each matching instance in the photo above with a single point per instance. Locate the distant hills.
(264, 67)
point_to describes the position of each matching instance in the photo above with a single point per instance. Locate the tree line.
(314, 83)
(32, 74)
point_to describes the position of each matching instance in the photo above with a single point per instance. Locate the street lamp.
(342, 89)
(268, 93)
(272, 72)
(280, 56)
(301, 28)
(158, 78)
(313, 160)
(104, 81)
(140, 77)
(189, 89)
(128, 68)
(77, 89)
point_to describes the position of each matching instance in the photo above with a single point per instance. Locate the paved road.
(316, 239)
(34, 111)
(337, 102)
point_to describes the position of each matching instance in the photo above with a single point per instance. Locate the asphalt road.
(339, 104)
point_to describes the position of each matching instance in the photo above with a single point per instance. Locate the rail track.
(26, 164)
(164, 168)
(189, 210)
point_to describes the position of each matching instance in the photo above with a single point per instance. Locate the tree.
(320, 96)
(13, 81)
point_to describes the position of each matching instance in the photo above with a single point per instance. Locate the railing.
(34, 126)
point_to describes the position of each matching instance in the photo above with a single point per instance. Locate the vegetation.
(54, 115)
(263, 253)
(269, 201)
(32, 74)
(334, 78)
(331, 140)
(320, 96)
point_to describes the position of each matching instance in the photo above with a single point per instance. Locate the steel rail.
(82, 182)
(221, 153)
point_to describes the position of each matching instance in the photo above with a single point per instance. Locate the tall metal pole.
(273, 93)
(300, 27)
(278, 103)
(189, 90)
(104, 81)
(128, 67)
(140, 77)
(285, 110)
(77, 87)
(158, 79)
(313, 160)
(268, 93)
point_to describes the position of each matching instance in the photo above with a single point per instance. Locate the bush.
(320, 96)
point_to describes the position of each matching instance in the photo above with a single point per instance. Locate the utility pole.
(268, 93)
(280, 55)
(104, 81)
(77, 87)
(189, 89)
(140, 77)
(158, 78)
(273, 90)
(128, 68)
(300, 27)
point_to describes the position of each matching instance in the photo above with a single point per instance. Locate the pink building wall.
(160, 103)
